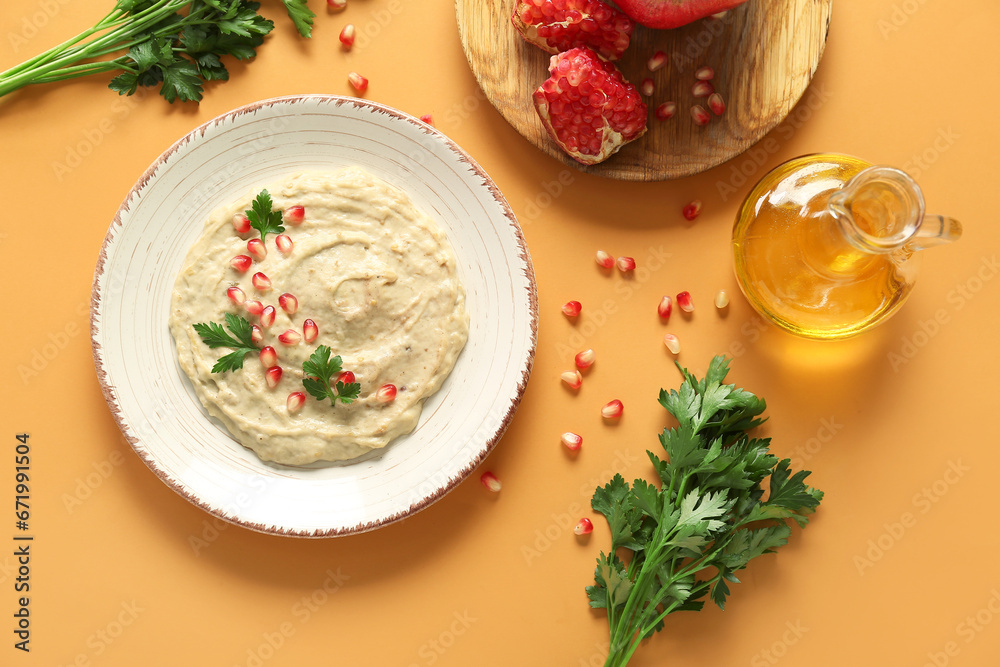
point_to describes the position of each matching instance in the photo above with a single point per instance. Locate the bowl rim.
(116, 224)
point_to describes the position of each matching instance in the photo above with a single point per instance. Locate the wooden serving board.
(764, 54)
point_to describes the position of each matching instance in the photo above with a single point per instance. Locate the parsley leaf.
(706, 521)
(213, 335)
(319, 370)
(262, 218)
(301, 16)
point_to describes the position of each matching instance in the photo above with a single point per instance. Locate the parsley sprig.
(262, 218)
(706, 521)
(174, 44)
(213, 335)
(319, 370)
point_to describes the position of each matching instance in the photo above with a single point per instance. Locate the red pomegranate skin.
(673, 13)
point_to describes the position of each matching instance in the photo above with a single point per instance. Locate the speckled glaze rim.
(194, 135)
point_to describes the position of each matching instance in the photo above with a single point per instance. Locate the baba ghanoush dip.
(378, 279)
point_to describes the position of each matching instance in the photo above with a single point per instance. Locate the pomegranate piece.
(267, 316)
(588, 107)
(254, 307)
(685, 302)
(647, 87)
(673, 13)
(236, 295)
(288, 303)
(310, 331)
(257, 248)
(666, 110)
(273, 376)
(572, 308)
(613, 410)
(585, 359)
(295, 401)
(290, 337)
(347, 377)
(347, 36)
(657, 61)
(604, 260)
(572, 379)
(261, 282)
(665, 308)
(699, 115)
(625, 264)
(584, 527)
(284, 243)
(705, 74)
(490, 481)
(571, 441)
(721, 299)
(427, 118)
(672, 343)
(702, 89)
(692, 210)
(358, 82)
(560, 25)
(241, 223)
(241, 263)
(268, 357)
(717, 104)
(386, 393)
(256, 334)
(336, 5)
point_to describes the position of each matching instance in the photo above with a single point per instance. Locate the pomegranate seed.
(310, 331)
(273, 376)
(490, 481)
(347, 377)
(267, 316)
(572, 308)
(705, 74)
(386, 393)
(658, 60)
(647, 87)
(716, 104)
(585, 359)
(241, 223)
(685, 302)
(241, 263)
(347, 36)
(573, 379)
(268, 357)
(336, 5)
(288, 303)
(284, 243)
(236, 295)
(665, 308)
(584, 527)
(699, 115)
(604, 260)
(256, 335)
(290, 337)
(294, 215)
(261, 282)
(359, 82)
(256, 248)
(692, 210)
(572, 441)
(702, 89)
(672, 343)
(613, 410)
(666, 110)
(254, 307)
(427, 118)
(625, 264)
(721, 299)
(295, 401)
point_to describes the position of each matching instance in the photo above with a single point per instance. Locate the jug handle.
(936, 230)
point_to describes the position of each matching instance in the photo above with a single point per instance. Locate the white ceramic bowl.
(153, 401)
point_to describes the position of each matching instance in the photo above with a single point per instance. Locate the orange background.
(120, 578)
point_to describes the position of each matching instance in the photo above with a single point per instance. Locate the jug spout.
(936, 230)
(881, 210)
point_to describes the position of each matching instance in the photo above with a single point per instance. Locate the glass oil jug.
(825, 244)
